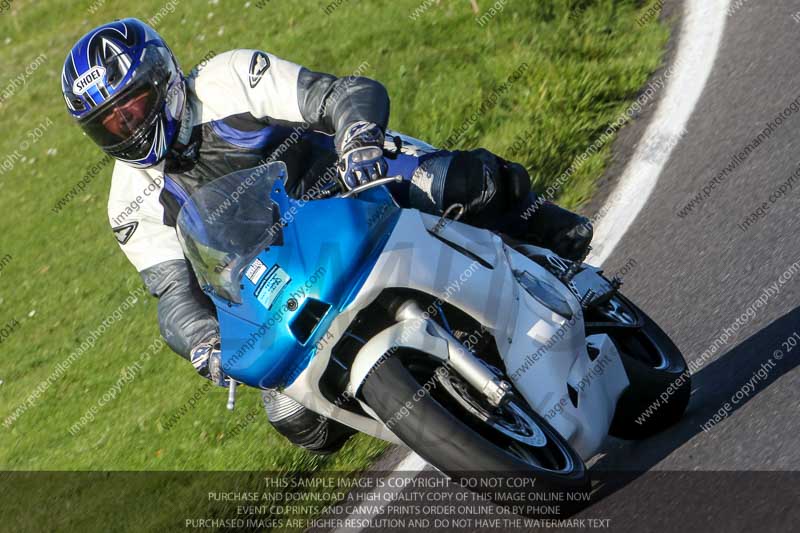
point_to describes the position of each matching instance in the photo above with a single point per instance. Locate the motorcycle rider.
(171, 133)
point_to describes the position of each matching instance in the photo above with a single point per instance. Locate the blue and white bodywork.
(289, 278)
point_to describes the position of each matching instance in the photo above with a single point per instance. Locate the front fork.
(462, 361)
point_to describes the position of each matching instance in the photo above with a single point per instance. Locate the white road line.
(702, 28)
(698, 44)
(412, 465)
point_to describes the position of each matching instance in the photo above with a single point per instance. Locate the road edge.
(702, 28)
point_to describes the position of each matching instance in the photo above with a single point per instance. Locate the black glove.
(207, 362)
(361, 155)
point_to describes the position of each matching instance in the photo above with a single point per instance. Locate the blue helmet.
(126, 91)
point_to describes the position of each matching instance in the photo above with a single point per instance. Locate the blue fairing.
(327, 250)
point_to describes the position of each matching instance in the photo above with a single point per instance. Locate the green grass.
(586, 60)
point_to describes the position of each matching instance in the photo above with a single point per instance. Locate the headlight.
(545, 294)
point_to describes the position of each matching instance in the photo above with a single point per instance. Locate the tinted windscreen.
(227, 223)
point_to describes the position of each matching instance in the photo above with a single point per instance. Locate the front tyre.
(660, 383)
(459, 441)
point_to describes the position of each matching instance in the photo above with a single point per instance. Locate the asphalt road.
(698, 274)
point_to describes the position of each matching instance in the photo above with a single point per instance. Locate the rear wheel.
(660, 384)
(443, 419)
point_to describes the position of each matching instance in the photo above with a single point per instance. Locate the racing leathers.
(248, 107)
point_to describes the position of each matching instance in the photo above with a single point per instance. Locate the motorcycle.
(479, 353)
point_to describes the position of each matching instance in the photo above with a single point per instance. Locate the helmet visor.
(124, 117)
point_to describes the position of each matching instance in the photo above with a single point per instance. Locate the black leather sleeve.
(330, 104)
(186, 315)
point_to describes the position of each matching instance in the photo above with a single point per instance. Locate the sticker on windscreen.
(272, 285)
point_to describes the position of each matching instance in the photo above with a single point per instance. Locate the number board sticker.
(272, 285)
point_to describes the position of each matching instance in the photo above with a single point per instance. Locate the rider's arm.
(185, 315)
(331, 104)
(280, 92)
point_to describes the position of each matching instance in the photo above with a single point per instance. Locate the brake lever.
(371, 184)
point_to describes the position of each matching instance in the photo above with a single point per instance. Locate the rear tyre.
(461, 444)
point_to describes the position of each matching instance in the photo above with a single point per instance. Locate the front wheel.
(447, 423)
(660, 382)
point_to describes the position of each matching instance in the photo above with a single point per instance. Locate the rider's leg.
(302, 426)
(497, 196)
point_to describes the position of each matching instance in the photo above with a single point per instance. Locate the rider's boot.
(304, 427)
(566, 233)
